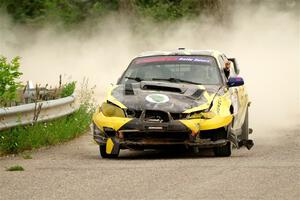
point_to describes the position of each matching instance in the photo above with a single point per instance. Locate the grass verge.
(18, 139)
(15, 168)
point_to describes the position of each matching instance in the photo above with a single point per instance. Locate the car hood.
(166, 96)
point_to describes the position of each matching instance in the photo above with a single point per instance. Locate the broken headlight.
(111, 110)
(203, 114)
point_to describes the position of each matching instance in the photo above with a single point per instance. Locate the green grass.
(15, 168)
(68, 89)
(29, 137)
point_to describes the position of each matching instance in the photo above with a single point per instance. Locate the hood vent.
(197, 93)
(129, 89)
(162, 88)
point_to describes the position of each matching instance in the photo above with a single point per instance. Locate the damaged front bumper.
(148, 132)
(140, 134)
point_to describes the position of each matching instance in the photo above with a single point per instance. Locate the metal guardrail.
(36, 112)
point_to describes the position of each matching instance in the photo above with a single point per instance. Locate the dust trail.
(264, 40)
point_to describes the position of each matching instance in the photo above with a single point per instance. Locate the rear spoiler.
(235, 65)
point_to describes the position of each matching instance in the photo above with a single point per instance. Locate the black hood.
(166, 96)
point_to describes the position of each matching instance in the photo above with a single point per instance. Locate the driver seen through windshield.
(196, 70)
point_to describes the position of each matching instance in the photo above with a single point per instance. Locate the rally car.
(175, 98)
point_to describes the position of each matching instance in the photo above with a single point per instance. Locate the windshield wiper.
(137, 79)
(176, 80)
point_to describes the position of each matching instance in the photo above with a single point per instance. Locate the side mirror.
(235, 81)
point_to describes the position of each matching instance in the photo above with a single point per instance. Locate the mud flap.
(247, 143)
(112, 146)
(231, 136)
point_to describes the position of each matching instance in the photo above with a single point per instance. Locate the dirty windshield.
(184, 69)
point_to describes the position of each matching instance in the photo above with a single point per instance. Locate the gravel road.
(271, 170)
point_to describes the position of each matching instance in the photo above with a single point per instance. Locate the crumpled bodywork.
(143, 112)
(183, 102)
(182, 99)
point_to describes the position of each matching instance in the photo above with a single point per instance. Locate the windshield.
(186, 69)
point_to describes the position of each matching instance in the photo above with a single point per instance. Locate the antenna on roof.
(181, 48)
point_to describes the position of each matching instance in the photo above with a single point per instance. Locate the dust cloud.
(265, 42)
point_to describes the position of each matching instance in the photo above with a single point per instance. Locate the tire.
(103, 153)
(245, 128)
(223, 151)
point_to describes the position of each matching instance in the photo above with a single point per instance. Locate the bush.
(15, 168)
(9, 74)
(68, 89)
(29, 137)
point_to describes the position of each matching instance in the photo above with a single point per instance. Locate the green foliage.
(162, 10)
(159, 10)
(66, 11)
(15, 168)
(25, 11)
(71, 12)
(68, 89)
(29, 137)
(9, 74)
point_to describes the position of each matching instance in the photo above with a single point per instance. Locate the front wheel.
(103, 153)
(223, 151)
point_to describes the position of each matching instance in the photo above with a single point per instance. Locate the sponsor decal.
(155, 128)
(189, 59)
(173, 58)
(157, 98)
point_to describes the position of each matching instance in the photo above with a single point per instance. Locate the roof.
(180, 52)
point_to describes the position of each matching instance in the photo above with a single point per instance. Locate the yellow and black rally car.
(180, 97)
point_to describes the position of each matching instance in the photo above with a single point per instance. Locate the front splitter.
(203, 143)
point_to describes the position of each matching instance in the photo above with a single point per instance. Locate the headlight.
(202, 115)
(110, 110)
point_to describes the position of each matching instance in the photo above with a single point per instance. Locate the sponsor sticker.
(174, 58)
(157, 98)
(189, 59)
(155, 128)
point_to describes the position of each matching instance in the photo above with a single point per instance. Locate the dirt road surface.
(75, 171)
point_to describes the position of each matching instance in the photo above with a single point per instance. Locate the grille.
(156, 116)
(177, 116)
(134, 113)
(151, 114)
(173, 136)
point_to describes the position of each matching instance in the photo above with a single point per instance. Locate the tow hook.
(247, 143)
